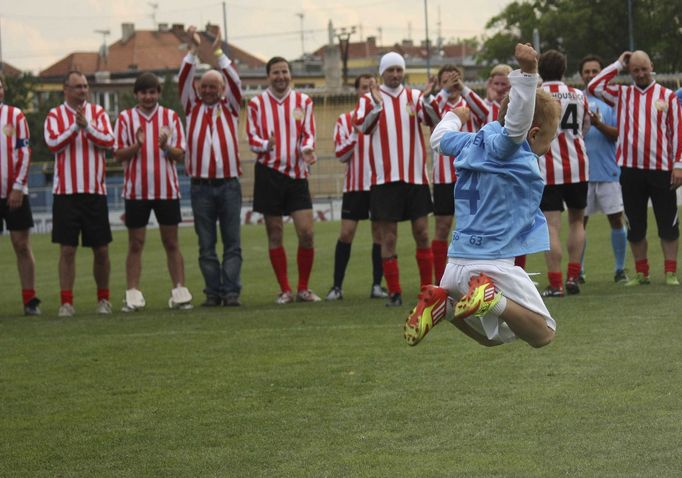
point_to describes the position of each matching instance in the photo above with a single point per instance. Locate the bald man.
(650, 156)
(212, 161)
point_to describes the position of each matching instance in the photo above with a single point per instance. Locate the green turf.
(331, 389)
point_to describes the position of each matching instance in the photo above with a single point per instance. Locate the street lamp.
(343, 34)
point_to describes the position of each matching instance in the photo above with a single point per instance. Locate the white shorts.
(511, 280)
(605, 197)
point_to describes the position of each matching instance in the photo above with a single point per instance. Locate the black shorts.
(554, 197)
(276, 194)
(167, 212)
(444, 199)
(18, 219)
(640, 185)
(400, 201)
(355, 205)
(76, 213)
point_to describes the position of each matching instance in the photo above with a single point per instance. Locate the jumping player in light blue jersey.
(497, 200)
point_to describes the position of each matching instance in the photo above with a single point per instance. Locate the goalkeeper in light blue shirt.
(604, 193)
(497, 199)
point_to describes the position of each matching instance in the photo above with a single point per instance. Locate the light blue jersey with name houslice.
(497, 195)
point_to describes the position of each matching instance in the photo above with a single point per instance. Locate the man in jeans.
(212, 162)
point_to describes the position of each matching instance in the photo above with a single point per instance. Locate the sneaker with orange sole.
(481, 297)
(430, 309)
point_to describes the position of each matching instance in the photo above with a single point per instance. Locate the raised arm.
(600, 85)
(188, 94)
(368, 109)
(233, 84)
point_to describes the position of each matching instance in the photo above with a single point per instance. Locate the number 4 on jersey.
(570, 118)
(471, 194)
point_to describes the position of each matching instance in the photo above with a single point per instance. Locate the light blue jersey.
(600, 149)
(497, 195)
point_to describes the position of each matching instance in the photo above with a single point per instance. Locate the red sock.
(425, 265)
(278, 259)
(304, 259)
(392, 275)
(642, 266)
(27, 295)
(573, 270)
(520, 261)
(555, 280)
(102, 294)
(440, 258)
(670, 266)
(66, 297)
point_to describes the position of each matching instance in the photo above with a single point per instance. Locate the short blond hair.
(500, 69)
(546, 114)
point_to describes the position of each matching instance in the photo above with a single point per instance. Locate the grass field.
(331, 389)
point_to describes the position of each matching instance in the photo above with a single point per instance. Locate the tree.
(581, 27)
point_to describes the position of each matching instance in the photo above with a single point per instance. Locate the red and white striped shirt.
(566, 161)
(15, 153)
(79, 152)
(353, 149)
(649, 122)
(444, 166)
(493, 111)
(398, 152)
(292, 122)
(149, 174)
(212, 131)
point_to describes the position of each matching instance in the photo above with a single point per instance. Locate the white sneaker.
(134, 300)
(66, 310)
(103, 307)
(335, 293)
(180, 298)
(307, 296)
(284, 298)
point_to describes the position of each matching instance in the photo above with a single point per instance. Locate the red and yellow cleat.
(481, 297)
(430, 309)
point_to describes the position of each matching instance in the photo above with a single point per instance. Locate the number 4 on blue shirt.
(471, 194)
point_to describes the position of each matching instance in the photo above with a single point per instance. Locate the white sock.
(499, 308)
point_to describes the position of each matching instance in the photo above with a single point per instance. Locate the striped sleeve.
(675, 129)
(177, 139)
(366, 116)
(308, 131)
(23, 153)
(476, 104)
(233, 84)
(57, 135)
(99, 130)
(188, 94)
(121, 139)
(345, 138)
(600, 86)
(258, 140)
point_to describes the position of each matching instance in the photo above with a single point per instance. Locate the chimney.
(178, 28)
(163, 27)
(127, 31)
(407, 43)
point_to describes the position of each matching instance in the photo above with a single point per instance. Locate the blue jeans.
(220, 204)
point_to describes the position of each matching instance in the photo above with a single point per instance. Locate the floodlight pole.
(428, 46)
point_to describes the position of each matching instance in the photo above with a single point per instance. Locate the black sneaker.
(231, 300)
(212, 301)
(394, 300)
(552, 292)
(572, 286)
(620, 276)
(32, 307)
